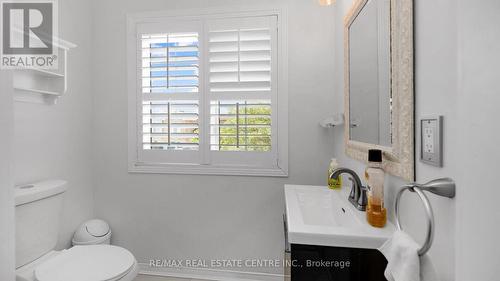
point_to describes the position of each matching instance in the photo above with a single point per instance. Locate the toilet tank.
(38, 211)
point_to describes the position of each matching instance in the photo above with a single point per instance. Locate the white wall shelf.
(37, 91)
(45, 72)
(36, 85)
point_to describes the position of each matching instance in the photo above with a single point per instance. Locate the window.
(207, 94)
(170, 66)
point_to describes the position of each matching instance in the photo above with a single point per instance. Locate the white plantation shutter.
(170, 125)
(170, 63)
(240, 125)
(241, 67)
(168, 76)
(206, 93)
(240, 60)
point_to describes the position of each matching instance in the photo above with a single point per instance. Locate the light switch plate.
(431, 140)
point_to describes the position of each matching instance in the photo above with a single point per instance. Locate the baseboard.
(208, 274)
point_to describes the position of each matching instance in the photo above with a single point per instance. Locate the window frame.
(167, 161)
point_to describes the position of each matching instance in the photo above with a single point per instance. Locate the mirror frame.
(399, 160)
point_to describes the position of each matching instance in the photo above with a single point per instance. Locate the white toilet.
(38, 210)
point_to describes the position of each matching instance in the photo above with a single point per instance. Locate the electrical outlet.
(431, 137)
(428, 137)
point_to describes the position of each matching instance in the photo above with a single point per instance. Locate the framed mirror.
(379, 99)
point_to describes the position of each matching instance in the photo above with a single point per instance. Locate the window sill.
(196, 169)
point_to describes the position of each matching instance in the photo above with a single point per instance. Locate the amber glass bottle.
(376, 214)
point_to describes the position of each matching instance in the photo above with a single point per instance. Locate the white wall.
(456, 63)
(208, 217)
(55, 141)
(7, 257)
(478, 210)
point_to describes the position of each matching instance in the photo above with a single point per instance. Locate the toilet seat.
(87, 263)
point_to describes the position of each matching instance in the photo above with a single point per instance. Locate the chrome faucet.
(357, 197)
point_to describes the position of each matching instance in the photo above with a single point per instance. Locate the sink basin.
(317, 215)
(324, 207)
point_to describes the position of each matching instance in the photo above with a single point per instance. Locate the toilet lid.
(87, 263)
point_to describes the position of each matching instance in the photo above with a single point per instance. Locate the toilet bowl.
(38, 208)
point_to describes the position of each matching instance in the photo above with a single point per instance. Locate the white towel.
(404, 263)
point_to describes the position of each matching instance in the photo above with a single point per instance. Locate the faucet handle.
(363, 198)
(353, 188)
(362, 201)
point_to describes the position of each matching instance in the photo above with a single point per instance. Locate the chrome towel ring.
(442, 187)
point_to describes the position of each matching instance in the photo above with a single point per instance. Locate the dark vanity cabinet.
(323, 263)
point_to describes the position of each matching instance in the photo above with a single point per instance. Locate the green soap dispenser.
(334, 183)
